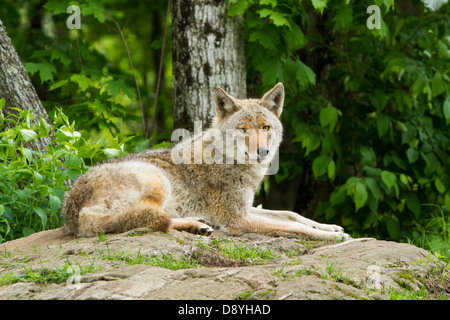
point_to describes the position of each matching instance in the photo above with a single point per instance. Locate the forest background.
(367, 110)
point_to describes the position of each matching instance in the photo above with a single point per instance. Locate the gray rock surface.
(49, 265)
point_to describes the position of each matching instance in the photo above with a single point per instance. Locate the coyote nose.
(263, 152)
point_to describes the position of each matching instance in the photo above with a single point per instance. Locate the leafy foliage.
(86, 72)
(79, 74)
(32, 183)
(370, 116)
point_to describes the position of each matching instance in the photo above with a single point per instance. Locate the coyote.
(197, 184)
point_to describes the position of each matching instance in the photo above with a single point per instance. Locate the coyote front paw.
(204, 230)
(192, 225)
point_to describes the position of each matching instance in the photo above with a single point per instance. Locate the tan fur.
(149, 190)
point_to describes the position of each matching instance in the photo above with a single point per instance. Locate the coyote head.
(254, 123)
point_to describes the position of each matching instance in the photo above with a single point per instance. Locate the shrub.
(33, 181)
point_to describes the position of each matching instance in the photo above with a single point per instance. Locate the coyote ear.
(224, 103)
(273, 99)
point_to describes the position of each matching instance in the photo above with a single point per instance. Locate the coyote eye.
(243, 130)
(266, 128)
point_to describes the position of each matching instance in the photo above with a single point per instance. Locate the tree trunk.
(208, 52)
(16, 87)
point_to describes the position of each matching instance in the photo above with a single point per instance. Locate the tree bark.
(208, 52)
(16, 87)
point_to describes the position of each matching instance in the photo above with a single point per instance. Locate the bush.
(33, 181)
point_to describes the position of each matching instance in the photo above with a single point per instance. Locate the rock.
(142, 264)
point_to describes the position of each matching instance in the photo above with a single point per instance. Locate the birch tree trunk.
(16, 86)
(208, 52)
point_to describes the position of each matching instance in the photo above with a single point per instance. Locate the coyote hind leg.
(142, 214)
(137, 216)
(295, 217)
(273, 227)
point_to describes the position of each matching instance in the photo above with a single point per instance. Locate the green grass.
(250, 295)
(333, 272)
(102, 237)
(45, 276)
(169, 262)
(435, 235)
(405, 294)
(242, 253)
(166, 260)
(61, 274)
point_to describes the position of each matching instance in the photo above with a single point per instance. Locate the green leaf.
(328, 117)
(413, 203)
(319, 5)
(431, 162)
(389, 178)
(263, 38)
(273, 3)
(412, 155)
(311, 142)
(277, 18)
(95, 9)
(64, 133)
(437, 85)
(44, 190)
(405, 179)
(320, 165)
(337, 197)
(101, 107)
(373, 187)
(58, 54)
(418, 85)
(73, 161)
(360, 196)
(273, 72)
(44, 127)
(447, 201)
(343, 18)
(110, 152)
(73, 174)
(443, 50)
(446, 109)
(28, 153)
(367, 156)
(117, 87)
(57, 6)
(331, 169)
(55, 204)
(27, 231)
(439, 185)
(37, 179)
(58, 84)
(382, 124)
(43, 215)
(82, 81)
(295, 37)
(46, 70)
(305, 75)
(28, 135)
(2, 103)
(393, 228)
(238, 8)
(379, 100)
